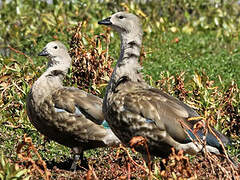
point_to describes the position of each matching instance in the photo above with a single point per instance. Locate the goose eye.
(120, 17)
(55, 47)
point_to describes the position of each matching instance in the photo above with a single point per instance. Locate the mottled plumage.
(133, 108)
(66, 115)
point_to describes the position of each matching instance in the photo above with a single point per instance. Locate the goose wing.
(74, 100)
(157, 107)
(69, 115)
(160, 109)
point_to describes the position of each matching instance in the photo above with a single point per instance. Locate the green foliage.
(198, 37)
(190, 16)
(9, 171)
(25, 23)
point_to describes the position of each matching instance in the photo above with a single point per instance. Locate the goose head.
(57, 54)
(124, 23)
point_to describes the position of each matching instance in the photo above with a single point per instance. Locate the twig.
(224, 150)
(134, 162)
(206, 153)
(130, 158)
(28, 141)
(188, 128)
(5, 89)
(18, 87)
(93, 172)
(129, 171)
(19, 52)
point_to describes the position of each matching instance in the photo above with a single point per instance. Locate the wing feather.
(60, 119)
(71, 98)
(156, 106)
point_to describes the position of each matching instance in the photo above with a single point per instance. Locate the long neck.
(57, 63)
(50, 80)
(127, 64)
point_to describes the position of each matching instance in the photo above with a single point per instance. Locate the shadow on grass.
(66, 165)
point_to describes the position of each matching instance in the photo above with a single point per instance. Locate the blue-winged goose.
(133, 108)
(66, 115)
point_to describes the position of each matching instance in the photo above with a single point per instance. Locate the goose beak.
(43, 53)
(105, 21)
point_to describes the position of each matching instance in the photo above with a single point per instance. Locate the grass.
(200, 52)
(203, 55)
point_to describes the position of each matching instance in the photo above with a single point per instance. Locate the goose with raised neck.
(128, 63)
(133, 108)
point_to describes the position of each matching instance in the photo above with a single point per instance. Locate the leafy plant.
(10, 171)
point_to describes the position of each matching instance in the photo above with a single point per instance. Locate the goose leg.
(149, 162)
(78, 155)
(74, 163)
(84, 162)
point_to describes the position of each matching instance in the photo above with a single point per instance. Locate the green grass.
(200, 52)
(203, 51)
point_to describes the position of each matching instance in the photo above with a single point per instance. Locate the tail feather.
(110, 139)
(211, 139)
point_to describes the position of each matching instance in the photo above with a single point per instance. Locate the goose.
(133, 108)
(67, 115)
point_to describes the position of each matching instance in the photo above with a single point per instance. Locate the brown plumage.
(66, 115)
(133, 108)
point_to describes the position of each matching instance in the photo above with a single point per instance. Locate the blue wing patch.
(77, 111)
(150, 121)
(58, 110)
(192, 136)
(105, 124)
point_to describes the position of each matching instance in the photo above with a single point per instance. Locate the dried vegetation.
(216, 102)
(91, 66)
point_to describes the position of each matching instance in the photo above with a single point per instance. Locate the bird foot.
(83, 163)
(73, 166)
